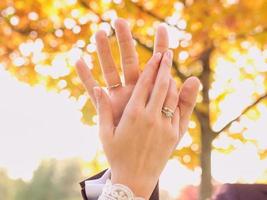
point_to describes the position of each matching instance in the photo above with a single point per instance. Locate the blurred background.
(48, 133)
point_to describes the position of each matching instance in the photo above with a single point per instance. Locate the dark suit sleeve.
(226, 192)
(82, 184)
(154, 196)
(242, 192)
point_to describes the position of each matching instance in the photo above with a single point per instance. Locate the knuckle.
(150, 119)
(186, 103)
(124, 42)
(133, 113)
(173, 137)
(173, 94)
(145, 80)
(129, 60)
(165, 62)
(161, 47)
(153, 61)
(163, 84)
(111, 72)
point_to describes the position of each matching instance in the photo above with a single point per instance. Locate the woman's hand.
(140, 145)
(119, 96)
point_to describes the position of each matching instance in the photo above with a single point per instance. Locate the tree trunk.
(205, 157)
(206, 132)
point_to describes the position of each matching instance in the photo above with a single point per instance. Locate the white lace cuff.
(117, 192)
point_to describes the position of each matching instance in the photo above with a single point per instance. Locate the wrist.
(140, 187)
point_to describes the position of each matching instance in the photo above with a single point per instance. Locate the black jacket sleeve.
(242, 192)
(154, 196)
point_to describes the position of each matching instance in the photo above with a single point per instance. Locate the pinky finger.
(86, 78)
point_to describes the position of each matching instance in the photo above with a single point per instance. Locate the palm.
(119, 98)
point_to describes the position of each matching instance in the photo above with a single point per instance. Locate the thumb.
(105, 117)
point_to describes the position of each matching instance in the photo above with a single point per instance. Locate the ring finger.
(107, 63)
(171, 101)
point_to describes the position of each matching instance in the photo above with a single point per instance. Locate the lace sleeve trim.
(117, 192)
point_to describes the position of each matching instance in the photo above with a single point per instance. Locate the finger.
(86, 78)
(128, 53)
(161, 39)
(161, 86)
(171, 100)
(161, 43)
(176, 119)
(142, 89)
(105, 116)
(176, 124)
(106, 61)
(187, 100)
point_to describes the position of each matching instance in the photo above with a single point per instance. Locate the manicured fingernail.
(97, 93)
(169, 54)
(158, 55)
(169, 57)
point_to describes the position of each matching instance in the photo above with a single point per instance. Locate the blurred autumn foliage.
(223, 42)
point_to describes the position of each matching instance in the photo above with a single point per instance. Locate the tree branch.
(176, 65)
(147, 11)
(24, 31)
(152, 14)
(244, 111)
(238, 36)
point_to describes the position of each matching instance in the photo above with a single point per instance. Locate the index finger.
(87, 79)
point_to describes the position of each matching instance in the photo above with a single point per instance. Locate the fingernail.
(167, 54)
(158, 55)
(97, 93)
(170, 54)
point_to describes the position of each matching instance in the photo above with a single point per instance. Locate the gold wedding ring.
(114, 86)
(169, 113)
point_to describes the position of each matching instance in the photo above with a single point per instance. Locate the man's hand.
(119, 96)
